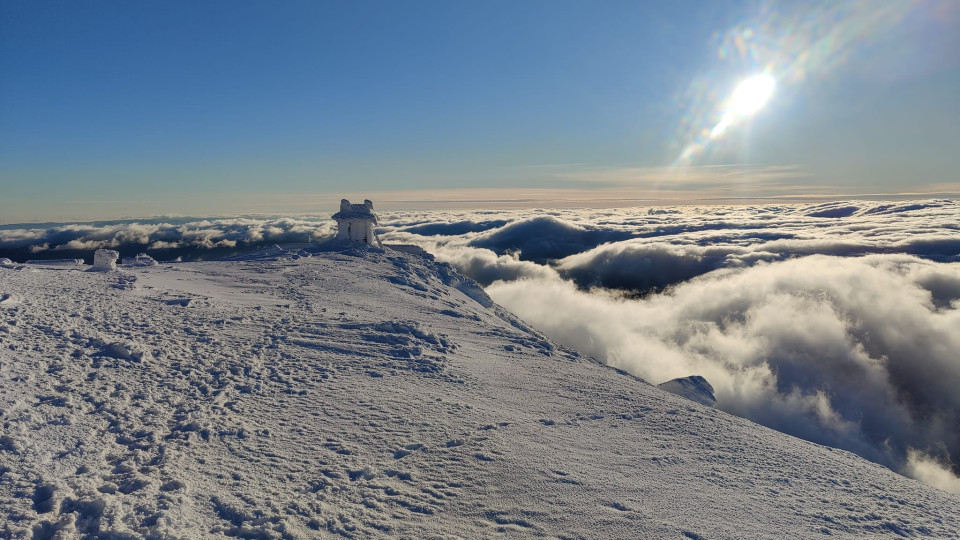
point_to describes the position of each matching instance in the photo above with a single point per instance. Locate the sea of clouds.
(163, 238)
(838, 323)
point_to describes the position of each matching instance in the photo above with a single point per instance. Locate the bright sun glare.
(748, 97)
(752, 94)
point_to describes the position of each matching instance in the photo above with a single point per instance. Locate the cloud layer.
(167, 239)
(847, 352)
(838, 323)
(647, 249)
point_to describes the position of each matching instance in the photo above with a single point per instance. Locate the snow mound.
(695, 388)
(122, 351)
(141, 259)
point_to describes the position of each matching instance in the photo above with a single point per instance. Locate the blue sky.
(128, 109)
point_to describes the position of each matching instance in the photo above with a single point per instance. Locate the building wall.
(357, 230)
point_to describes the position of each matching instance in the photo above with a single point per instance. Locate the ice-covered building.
(105, 260)
(356, 221)
(142, 259)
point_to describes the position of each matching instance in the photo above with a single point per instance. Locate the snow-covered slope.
(364, 393)
(694, 388)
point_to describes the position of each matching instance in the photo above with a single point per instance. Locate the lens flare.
(786, 46)
(748, 97)
(752, 94)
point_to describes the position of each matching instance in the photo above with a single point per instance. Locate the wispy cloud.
(738, 176)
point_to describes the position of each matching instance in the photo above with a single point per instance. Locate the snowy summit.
(341, 390)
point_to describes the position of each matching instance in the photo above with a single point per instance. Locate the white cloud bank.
(837, 323)
(852, 353)
(196, 235)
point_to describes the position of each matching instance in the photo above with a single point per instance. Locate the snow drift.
(341, 391)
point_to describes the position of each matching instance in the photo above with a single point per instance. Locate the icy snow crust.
(694, 388)
(356, 392)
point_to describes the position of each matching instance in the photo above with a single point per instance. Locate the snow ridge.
(335, 390)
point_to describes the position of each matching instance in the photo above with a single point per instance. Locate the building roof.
(356, 211)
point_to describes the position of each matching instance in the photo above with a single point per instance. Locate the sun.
(752, 94)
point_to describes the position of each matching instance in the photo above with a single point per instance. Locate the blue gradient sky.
(127, 109)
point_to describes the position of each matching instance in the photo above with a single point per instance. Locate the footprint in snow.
(407, 450)
(618, 506)
(564, 478)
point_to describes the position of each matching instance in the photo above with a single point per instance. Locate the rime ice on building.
(105, 260)
(355, 222)
(142, 259)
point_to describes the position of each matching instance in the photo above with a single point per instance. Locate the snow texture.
(349, 391)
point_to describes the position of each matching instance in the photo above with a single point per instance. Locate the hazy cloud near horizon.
(162, 235)
(837, 322)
